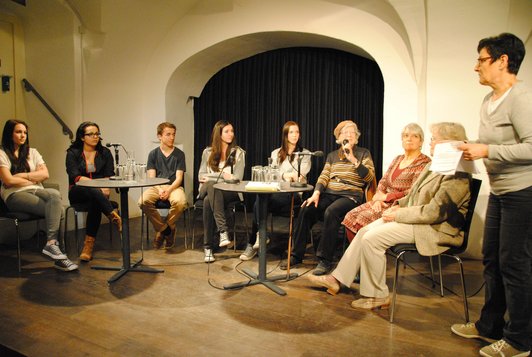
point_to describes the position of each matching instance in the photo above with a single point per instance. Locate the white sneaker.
(209, 257)
(249, 253)
(224, 239)
(256, 245)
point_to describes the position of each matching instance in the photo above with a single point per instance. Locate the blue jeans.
(507, 251)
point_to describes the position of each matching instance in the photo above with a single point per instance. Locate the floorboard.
(184, 311)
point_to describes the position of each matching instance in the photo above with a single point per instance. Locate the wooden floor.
(184, 311)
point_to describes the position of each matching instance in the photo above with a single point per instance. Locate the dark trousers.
(278, 204)
(332, 209)
(97, 202)
(507, 251)
(214, 218)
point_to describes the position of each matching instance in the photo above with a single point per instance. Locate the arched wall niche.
(180, 72)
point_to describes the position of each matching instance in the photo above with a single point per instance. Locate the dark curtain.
(314, 87)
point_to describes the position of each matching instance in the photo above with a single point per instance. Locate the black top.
(165, 167)
(77, 167)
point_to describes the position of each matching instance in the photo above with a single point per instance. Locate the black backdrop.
(315, 87)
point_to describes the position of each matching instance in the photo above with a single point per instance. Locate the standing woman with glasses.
(223, 160)
(505, 145)
(22, 171)
(88, 159)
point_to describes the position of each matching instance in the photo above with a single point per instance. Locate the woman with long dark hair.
(88, 159)
(217, 162)
(285, 158)
(22, 171)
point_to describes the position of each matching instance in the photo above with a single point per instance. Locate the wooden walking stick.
(290, 237)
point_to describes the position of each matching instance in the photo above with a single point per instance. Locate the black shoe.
(324, 267)
(293, 262)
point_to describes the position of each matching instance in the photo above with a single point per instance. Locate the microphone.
(231, 158)
(231, 161)
(115, 145)
(310, 153)
(346, 149)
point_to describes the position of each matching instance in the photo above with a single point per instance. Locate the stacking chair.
(15, 218)
(78, 208)
(399, 250)
(232, 207)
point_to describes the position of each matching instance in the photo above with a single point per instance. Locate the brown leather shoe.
(158, 241)
(326, 281)
(115, 218)
(88, 247)
(371, 303)
(169, 240)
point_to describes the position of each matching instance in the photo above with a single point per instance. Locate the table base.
(268, 282)
(122, 270)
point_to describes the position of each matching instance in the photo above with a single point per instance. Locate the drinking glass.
(141, 172)
(256, 172)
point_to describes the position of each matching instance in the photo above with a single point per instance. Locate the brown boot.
(86, 253)
(115, 218)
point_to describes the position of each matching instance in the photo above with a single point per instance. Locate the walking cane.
(290, 237)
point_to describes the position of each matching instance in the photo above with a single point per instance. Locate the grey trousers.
(42, 202)
(366, 254)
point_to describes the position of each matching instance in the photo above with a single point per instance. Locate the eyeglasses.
(481, 60)
(94, 135)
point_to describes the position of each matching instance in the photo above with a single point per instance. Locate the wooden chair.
(399, 250)
(15, 218)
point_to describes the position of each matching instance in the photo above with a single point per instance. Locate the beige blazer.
(436, 206)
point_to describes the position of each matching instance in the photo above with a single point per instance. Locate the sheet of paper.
(447, 159)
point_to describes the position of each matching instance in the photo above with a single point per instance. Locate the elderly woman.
(339, 189)
(505, 145)
(432, 216)
(395, 184)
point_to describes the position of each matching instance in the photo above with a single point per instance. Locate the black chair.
(399, 250)
(163, 207)
(232, 207)
(78, 208)
(15, 218)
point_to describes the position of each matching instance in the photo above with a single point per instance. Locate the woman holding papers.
(505, 145)
(431, 215)
(395, 184)
(286, 159)
(223, 160)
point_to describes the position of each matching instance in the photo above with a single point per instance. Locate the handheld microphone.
(346, 149)
(111, 144)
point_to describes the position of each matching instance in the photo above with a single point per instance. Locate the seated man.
(166, 161)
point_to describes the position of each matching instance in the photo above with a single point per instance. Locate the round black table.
(123, 186)
(262, 197)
